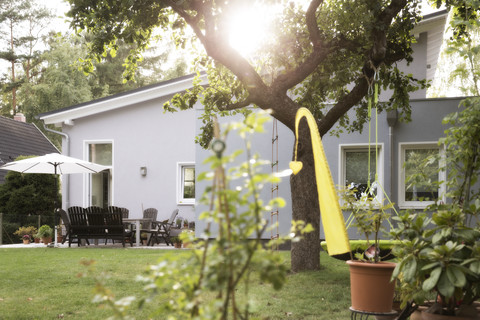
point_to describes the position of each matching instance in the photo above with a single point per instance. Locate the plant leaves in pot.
(440, 257)
(371, 287)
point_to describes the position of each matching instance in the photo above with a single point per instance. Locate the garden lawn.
(46, 283)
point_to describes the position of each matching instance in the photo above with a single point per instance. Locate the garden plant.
(439, 250)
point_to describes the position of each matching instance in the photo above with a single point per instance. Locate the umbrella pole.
(55, 208)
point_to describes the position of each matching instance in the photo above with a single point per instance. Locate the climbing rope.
(373, 92)
(274, 233)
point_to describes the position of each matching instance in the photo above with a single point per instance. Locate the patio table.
(137, 222)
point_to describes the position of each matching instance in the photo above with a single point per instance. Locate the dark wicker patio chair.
(67, 224)
(127, 226)
(78, 224)
(162, 230)
(147, 226)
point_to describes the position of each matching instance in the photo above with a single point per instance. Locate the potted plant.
(439, 252)
(187, 236)
(371, 287)
(45, 233)
(26, 239)
(439, 257)
(178, 222)
(185, 223)
(144, 238)
(26, 231)
(177, 241)
(59, 234)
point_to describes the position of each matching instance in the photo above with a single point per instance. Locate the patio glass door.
(100, 183)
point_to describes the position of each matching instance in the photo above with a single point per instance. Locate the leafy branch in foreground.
(205, 285)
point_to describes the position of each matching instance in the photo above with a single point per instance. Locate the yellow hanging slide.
(332, 218)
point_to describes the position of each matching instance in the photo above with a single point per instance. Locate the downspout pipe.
(392, 117)
(66, 152)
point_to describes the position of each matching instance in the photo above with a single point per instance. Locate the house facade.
(153, 158)
(147, 151)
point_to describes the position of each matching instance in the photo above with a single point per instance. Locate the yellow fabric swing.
(333, 222)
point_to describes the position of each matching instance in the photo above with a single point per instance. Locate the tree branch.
(311, 19)
(320, 51)
(238, 105)
(192, 21)
(379, 33)
(343, 106)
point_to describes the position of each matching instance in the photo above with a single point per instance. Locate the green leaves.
(431, 282)
(440, 255)
(205, 287)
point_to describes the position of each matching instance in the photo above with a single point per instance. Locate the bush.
(24, 194)
(22, 231)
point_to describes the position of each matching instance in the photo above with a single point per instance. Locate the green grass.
(44, 284)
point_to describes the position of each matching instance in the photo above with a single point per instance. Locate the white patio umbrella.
(53, 163)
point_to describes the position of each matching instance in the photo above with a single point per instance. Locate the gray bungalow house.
(153, 158)
(151, 154)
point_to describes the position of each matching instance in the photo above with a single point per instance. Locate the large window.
(354, 169)
(421, 181)
(100, 184)
(185, 183)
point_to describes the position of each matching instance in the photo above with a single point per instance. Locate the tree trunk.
(305, 254)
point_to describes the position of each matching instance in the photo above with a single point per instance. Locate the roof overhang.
(164, 89)
(431, 20)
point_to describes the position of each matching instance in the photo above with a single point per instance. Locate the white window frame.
(402, 203)
(87, 179)
(344, 148)
(180, 173)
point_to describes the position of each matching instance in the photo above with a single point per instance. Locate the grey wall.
(426, 126)
(261, 144)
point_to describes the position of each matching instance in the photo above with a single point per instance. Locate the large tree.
(61, 82)
(323, 56)
(22, 24)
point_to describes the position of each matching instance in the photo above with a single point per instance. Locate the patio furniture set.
(113, 223)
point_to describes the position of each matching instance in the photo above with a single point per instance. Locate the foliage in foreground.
(206, 285)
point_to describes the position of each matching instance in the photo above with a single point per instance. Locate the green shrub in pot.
(45, 231)
(441, 256)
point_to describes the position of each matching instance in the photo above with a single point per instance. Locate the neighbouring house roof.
(20, 138)
(69, 114)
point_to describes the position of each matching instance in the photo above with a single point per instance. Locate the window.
(100, 184)
(420, 178)
(186, 183)
(354, 173)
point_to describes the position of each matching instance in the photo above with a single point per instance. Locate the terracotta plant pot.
(47, 240)
(37, 240)
(370, 286)
(417, 314)
(177, 245)
(26, 241)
